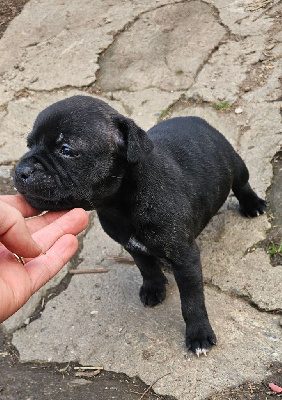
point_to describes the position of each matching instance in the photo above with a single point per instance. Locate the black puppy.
(154, 192)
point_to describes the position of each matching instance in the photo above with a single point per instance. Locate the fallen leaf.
(275, 388)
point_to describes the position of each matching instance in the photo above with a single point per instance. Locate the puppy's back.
(188, 131)
(205, 162)
(193, 142)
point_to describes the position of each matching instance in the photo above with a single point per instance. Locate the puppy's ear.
(134, 141)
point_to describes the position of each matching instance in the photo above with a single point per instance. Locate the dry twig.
(120, 259)
(150, 387)
(82, 368)
(88, 271)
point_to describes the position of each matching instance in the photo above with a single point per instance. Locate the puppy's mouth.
(37, 188)
(48, 192)
(44, 198)
(41, 189)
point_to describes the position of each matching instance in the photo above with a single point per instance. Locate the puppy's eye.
(67, 151)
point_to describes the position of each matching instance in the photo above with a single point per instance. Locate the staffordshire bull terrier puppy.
(154, 192)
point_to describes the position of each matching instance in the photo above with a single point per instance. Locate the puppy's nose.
(24, 172)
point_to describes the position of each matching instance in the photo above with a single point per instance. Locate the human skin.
(46, 243)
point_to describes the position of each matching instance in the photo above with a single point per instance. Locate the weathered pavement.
(220, 60)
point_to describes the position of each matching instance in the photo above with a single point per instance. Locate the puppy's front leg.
(153, 290)
(188, 275)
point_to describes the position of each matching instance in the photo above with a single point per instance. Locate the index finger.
(18, 201)
(14, 233)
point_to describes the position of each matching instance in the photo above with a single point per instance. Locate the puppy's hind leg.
(250, 204)
(153, 290)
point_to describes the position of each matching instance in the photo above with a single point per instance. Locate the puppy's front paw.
(152, 293)
(200, 337)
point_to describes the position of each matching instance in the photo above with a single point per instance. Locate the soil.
(9, 9)
(36, 381)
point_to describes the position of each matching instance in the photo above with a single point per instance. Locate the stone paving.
(220, 60)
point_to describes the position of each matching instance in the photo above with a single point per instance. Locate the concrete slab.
(145, 107)
(61, 43)
(261, 142)
(234, 264)
(145, 56)
(152, 51)
(229, 63)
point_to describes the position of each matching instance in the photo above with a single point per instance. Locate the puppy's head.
(80, 149)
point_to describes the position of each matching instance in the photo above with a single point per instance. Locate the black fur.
(154, 192)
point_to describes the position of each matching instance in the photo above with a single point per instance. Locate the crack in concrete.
(246, 298)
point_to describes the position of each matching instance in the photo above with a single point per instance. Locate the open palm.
(52, 244)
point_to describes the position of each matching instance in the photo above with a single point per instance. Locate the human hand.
(49, 248)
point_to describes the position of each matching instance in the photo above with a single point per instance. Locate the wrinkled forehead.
(60, 122)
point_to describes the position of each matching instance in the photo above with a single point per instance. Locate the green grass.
(273, 249)
(222, 105)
